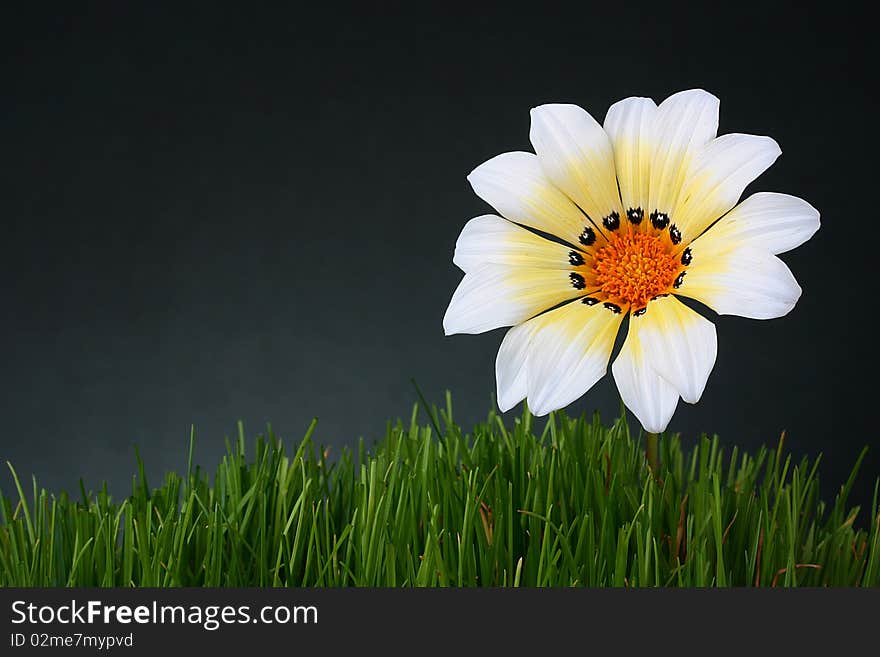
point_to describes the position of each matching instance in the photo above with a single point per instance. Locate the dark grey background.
(213, 215)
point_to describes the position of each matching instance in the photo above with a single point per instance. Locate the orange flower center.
(633, 268)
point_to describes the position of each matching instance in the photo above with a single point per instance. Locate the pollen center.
(633, 268)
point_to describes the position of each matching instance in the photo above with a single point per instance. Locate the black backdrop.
(221, 214)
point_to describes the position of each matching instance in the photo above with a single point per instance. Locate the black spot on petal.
(635, 215)
(679, 280)
(587, 237)
(612, 221)
(577, 281)
(674, 234)
(640, 312)
(613, 307)
(659, 220)
(687, 257)
(575, 258)
(589, 301)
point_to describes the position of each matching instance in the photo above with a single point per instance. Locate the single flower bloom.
(605, 222)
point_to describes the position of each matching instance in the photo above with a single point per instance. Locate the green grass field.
(570, 505)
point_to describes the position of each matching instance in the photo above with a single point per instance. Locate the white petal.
(510, 366)
(684, 123)
(630, 125)
(568, 353)
(575, 154)
(650, 398)
(748, 282)
(767, 221)
(717, 178)
(491, 239)
(680, 344)
(515, 185)
(491, 296)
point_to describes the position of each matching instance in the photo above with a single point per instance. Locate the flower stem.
(652, 453)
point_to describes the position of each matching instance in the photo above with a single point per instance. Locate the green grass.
(571, 504)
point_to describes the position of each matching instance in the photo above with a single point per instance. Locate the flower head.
(614, 221)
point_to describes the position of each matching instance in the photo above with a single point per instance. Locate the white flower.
(615, 220)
